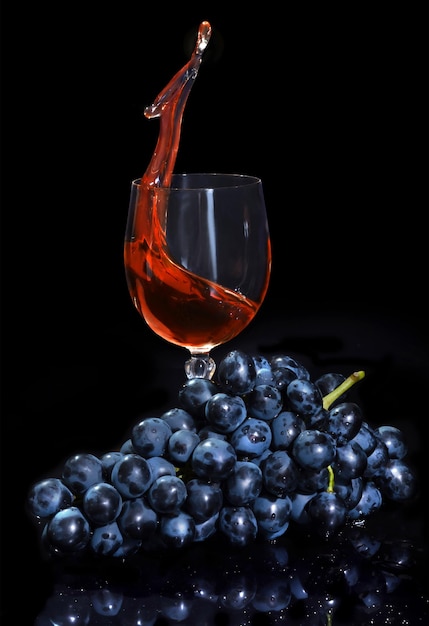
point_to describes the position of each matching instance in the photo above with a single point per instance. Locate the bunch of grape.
(258, 449)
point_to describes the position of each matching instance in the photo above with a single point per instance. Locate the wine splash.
(182, 307)
(169, 107)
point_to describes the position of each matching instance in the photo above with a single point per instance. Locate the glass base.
(200, 366)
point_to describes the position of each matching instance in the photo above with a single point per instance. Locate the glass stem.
(200, 366)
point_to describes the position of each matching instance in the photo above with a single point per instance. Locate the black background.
(326, 102)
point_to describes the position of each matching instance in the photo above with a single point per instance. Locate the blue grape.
(327, 512)
(128, 547)
(204, 499)
(102, 504)
(310, 480)
(160, 466)
(106, 540)
(282, 376)
(313, 449)
(264, 402)
(271, 535)
(137, 519)
(108, 460)
(350, 491)
(127, 447)
(195, 393)
(178, 530)
(243, 484)
(344, 421)
(150, 437)
(252, 438)
(167, 494)
(398, 481)
(81, 471)
(284, 428)
(350, 461)
(68, 530)
(47, 497)
(207, 432)
(329, 381)
(258, 459)
(280, 473)
(179, 419)
(181, 445)
(206, 529)
(131, 476)
(394, 440)
(272, 513)
(370, 501)
(377, 460)
(213, 459)
(225, 412)
(238, 524)
(366, 438)
(299, 501)
(264, 373)
(305, 398)
(236, 373)
(285, 361)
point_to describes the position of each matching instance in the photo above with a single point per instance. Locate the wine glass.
(197, 260)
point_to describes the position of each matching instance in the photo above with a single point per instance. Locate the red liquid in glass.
(183, 308)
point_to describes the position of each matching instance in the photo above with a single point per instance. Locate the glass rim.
(230, 182)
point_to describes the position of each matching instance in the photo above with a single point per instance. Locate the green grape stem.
(330, 398)
(331, 483)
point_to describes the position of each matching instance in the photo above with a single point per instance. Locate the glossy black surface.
(343, 159)
(363, 577)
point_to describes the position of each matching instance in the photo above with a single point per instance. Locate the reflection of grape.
(248, 455)
(361, 579)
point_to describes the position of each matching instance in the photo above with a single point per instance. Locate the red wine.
(181, 307)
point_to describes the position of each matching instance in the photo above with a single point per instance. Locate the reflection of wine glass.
(198, 260)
